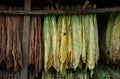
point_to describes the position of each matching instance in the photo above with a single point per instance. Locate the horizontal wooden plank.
(58, 12)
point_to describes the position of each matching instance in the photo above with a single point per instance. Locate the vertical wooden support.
(25, 42)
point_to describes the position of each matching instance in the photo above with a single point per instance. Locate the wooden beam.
(59, 12)
(25, 43)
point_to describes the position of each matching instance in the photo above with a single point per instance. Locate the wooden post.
(25, 42)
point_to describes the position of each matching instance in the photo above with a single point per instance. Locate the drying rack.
(59, 12)
(27, 12)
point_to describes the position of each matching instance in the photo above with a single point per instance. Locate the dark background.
(42, 3)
